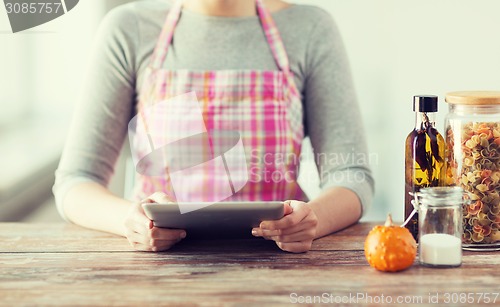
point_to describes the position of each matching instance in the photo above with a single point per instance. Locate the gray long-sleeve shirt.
(123, 48)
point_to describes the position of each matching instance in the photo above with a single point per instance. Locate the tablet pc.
(219, 220)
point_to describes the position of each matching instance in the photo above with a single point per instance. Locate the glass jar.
(473, 163)
(440, 226)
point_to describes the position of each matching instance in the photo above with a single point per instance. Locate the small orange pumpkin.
(390, 248)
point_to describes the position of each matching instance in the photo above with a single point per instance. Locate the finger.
(308, 222)
(160, 197)
(137, 222)
(306, 235)
(148, 248)
(300, 211)
(137, 238)
(162, 245)
(139, 227)
(286, 231)
(301, 232)
(147, 201)
(132, 226)
(257, 232)
(295, 204)
(288, 208)
(166, 233)
(140, 218)
(145, 243)
(303, 225)
(295, 247)
(141, 223)
(141, 247)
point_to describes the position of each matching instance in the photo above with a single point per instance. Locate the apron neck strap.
(270, 30)
(166, 35)
(273, 37)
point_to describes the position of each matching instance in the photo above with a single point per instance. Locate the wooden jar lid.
(474, 98)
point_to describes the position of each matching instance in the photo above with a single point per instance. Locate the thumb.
(288, 208)
(159, 197)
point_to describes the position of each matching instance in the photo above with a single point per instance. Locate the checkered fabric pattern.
(264, 107)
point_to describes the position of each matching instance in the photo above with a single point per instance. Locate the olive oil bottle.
(424, 155)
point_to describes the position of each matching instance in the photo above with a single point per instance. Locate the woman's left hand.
(294, 232)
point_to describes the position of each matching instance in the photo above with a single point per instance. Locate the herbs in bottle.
(424, 155)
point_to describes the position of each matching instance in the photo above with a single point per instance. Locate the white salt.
(440, 249)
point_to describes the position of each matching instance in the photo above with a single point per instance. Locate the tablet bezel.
(226, 219)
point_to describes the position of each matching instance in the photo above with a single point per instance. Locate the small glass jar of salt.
(440, 224)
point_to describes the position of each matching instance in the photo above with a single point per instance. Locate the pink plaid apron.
(263, 107)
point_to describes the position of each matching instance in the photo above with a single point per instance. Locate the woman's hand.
(141, 233)
(294, 232)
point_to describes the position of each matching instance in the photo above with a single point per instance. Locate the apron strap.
(273, 37)
(270, 30)
(166, 35)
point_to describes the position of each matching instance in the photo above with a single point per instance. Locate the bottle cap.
(425, 103)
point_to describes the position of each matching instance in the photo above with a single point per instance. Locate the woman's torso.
(222, 43)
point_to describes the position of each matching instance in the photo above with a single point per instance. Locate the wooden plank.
(63, 237)
(21, 237)
(63, 264)
(136, 278)
(274, 259)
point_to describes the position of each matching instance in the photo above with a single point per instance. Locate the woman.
(276, 71)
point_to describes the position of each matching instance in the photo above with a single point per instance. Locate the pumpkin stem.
(388, 222)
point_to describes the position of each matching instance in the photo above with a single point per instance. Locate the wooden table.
(62, 264)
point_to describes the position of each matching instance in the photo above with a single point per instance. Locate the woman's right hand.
(141, 233)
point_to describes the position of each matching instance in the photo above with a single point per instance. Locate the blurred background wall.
(41, 70)
(397, 49)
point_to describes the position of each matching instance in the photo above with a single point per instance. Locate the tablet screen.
(219, 220)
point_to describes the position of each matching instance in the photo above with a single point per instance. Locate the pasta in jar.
(473, 163)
